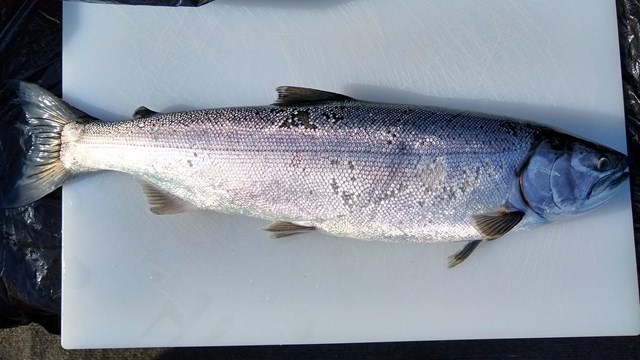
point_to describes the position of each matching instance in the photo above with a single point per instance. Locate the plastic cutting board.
(135, 279)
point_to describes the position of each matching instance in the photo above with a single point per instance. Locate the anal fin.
(161, 202)
(280, 229)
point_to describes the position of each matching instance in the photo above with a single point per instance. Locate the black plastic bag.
(30, 248)
(629, 39)
(149, 2)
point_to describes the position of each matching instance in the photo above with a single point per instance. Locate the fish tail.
(40, 169)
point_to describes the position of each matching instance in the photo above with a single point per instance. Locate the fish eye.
(603, 164)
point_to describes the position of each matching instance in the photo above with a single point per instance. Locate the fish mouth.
(609, 182)
(619, 179)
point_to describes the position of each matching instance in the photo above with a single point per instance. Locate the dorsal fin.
(293, 95)
(143, 112)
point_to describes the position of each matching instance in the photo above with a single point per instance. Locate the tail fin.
(42, 170)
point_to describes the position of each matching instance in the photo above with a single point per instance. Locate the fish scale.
(380, 171)
(320, 160)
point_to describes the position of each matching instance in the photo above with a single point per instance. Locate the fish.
(321, 161)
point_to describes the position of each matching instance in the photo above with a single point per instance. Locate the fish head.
(565, 175)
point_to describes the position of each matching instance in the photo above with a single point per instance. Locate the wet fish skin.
(319, 160)
(352, 169)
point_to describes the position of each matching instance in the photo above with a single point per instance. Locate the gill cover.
(565, 175)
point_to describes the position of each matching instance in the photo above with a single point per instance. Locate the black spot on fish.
(421, 203)
(296, 159)
(450, 192)
(402, 147)
(195, 154)
(300, 118)
(389, 142)
(335, 162)
(350, 164)
(347, 199)
(334, 186)
(190, 163)
(303, 117)
(389, 194)
(456, 115)
(333, 116)
(286, 123)
(509, 126)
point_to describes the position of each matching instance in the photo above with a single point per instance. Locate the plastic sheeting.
(30, 247)
(30, 267)
(149, 2)
(629, 38)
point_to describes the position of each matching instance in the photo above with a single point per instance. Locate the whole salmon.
(320, 160)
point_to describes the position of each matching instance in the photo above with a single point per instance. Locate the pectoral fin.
(493, 225)
(161, 202)
(463, 254)
(280, 229)
(490, 226)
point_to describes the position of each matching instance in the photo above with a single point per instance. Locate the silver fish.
(317, 160)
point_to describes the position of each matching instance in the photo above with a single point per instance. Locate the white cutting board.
(135, 279)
